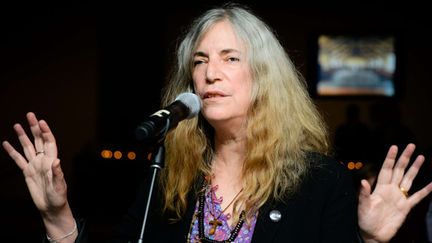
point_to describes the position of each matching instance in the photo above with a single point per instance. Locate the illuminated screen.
(356, 66)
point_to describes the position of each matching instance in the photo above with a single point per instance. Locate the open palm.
(382, 212)
(40, 165)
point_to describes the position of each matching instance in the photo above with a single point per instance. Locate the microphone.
(185, 106)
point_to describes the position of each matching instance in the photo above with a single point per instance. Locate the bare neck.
(227, 164)
(230, 152)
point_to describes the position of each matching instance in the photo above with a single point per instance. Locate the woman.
(254, 167)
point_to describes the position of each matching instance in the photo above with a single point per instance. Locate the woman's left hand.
(382, 212)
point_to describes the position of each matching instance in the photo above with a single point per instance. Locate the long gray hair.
(283, 123)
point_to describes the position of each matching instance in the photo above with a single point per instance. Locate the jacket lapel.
(270, 217)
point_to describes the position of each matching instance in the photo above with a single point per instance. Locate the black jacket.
(323, 210)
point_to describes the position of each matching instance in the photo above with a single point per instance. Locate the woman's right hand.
(43, 175)
(40, 165)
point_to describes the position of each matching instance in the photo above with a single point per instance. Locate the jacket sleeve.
(129, 228)
(340, 211)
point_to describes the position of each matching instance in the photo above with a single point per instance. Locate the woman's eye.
(196, 62)
(233, 59)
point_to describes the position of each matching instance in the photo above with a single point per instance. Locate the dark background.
(95, 71)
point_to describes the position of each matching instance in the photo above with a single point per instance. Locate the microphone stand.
(156, 165)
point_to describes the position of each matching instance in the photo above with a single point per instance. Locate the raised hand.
(382, 212)
(40, 165)
(43, 175)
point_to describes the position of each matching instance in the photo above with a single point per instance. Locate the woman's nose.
(213, 72)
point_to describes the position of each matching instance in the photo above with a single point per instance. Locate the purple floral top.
(222, 232)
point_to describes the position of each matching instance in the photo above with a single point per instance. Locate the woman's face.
(222, 76)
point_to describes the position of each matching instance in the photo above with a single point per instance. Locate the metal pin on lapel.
(275, 215)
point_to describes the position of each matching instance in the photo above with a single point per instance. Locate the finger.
(412, 172)
(29, 150)
(419, 195)
(402, 163)
(36, 131)
(17, 157)
(365, 190)
(385, 174)
(50, 146)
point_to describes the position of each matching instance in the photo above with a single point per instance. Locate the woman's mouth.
(212, 95)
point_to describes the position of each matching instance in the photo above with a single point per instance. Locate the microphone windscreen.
(192, 101)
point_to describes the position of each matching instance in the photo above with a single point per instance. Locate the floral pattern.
(223, 232)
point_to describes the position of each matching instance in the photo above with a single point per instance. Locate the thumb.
(57, 171)
(365, 189)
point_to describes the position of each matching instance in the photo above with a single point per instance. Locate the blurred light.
(149, 156)
(118, 154)
(131, 155)
(106, 154)
(358, 165)
(351, 165)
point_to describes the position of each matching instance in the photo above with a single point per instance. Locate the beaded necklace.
(216, 222)
(203, 238)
